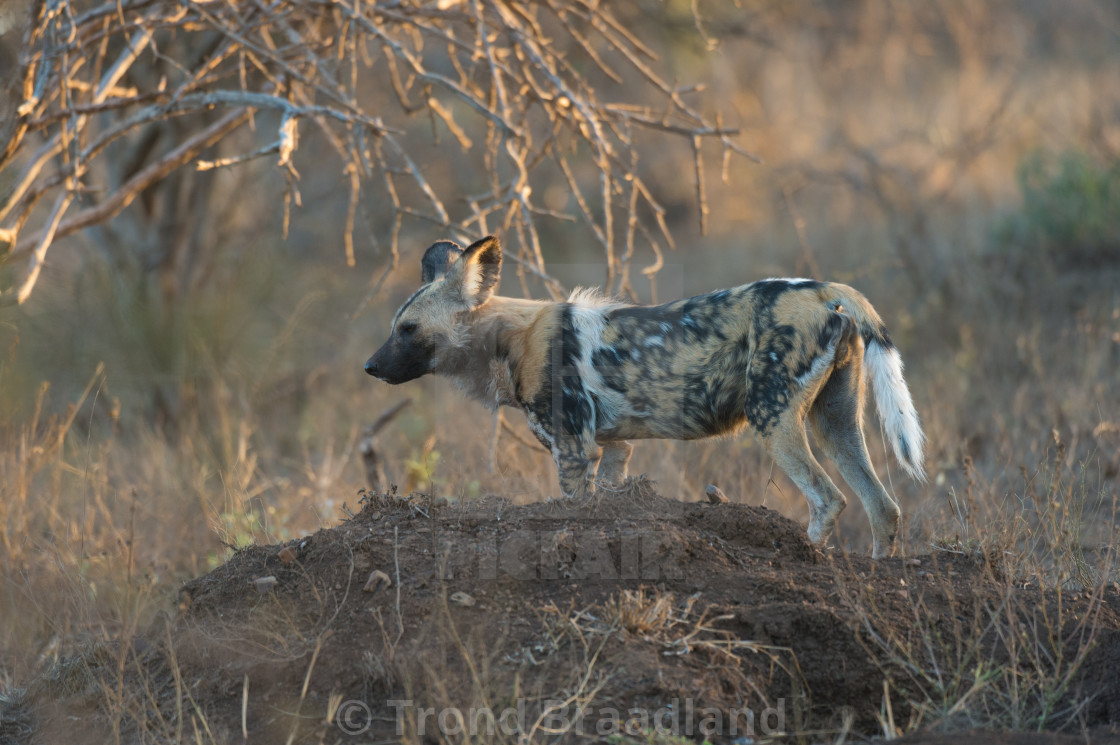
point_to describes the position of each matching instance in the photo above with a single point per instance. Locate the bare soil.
(636, 603)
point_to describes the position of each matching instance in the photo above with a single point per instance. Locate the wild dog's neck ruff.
(482, 360)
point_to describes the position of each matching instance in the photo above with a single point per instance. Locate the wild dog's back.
(674, 365)
(681, 367)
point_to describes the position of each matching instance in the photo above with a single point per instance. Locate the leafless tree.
(114, 99)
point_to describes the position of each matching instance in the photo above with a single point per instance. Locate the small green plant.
(1071, 208)
(244, 527)
(420, 468)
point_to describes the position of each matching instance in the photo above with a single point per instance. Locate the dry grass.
(640, 612)
(1009, 663)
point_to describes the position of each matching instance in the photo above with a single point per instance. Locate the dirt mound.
(428, 621)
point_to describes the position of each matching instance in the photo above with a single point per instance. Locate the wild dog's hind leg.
(836, 416)
(777, 406)
(612, 466)
(789, 446)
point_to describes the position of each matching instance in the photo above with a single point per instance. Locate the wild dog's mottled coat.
(591, 373)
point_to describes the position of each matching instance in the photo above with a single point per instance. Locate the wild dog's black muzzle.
(399, 362)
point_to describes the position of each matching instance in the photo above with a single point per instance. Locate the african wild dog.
(592, 373)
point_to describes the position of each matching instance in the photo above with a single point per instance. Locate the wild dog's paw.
(822, 522)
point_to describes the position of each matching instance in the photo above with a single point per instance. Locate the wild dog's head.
(431, 325)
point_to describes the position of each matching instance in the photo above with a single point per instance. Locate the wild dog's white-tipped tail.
(883, 365)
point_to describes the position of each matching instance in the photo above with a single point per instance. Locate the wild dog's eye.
(407, 328)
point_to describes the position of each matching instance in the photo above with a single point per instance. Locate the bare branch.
(181, 155)
(519, 86)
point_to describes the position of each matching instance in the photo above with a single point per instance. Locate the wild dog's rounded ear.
(478, 271)
(438, 259)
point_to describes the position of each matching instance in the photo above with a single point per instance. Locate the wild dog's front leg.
(612, 466)
(576, 457)
(577, 462)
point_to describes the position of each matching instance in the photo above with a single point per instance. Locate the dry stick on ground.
(584, 691)
(520, 439)
(397, 586)
(306, 683)
(245, 709)
(375, 470)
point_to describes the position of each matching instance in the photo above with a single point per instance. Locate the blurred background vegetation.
(185, 378)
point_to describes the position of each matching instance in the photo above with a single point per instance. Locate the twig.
(397, 584)
(45, 240)
(518, 438)
(245, 708)
(371, 459)
(807, 254)
(495, 435)
(207, 165)
(306, 683)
